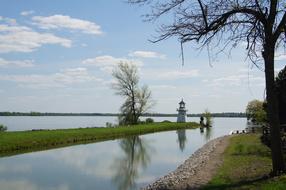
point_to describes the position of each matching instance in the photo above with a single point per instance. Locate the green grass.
(247, 163)
(12, 143)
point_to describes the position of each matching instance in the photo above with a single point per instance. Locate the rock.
(188, 169)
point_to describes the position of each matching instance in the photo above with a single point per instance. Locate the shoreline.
(18, 142)
(197, 170)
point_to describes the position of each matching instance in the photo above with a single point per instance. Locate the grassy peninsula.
(247, 164)
(17, 142)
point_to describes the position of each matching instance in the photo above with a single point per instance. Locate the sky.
(57, 56)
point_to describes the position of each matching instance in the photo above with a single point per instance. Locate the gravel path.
(197, 170)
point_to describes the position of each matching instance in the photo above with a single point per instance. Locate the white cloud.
(162, 87)
(169, 74)
(16, 63)
(277, 70)
(83, 45)
(236, 80)
(15, 38)
(64, 78)
(205, 80)
(10, 21)
(101, 61)
(147, 54)
(106, 62)
(63, 21)
(27, 13)
(178, 74)
(280, 57)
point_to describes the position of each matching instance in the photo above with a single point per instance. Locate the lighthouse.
(181, 112)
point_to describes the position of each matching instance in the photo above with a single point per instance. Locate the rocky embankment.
(197, 170)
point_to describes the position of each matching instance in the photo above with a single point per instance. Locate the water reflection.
(136, 155)
(109, 165)
(208, 133)
(182, 139)
(24, 184)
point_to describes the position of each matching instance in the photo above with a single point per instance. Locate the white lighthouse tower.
(182, 112)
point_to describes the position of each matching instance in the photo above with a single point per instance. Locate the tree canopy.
(259, 23)
(220, 21)
(137, 99)
(255, 111)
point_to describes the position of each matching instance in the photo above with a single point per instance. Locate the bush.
(255, 111)
(3, 128)
(107, 124)
(166, 121)
(149, 120)
(208, 117)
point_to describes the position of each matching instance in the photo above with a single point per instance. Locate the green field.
(247, 164)
(27, 141)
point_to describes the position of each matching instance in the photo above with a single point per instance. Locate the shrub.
(166, 121)
(107, 124)
(3, 128)
(149, 120)
(208, 117)
(255, 111)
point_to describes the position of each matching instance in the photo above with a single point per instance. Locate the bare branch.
(281, 27)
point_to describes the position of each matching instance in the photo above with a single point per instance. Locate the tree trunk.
(134, 120)
(272, 110)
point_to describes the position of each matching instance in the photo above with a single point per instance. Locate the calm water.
(20, 123)
(120, 164)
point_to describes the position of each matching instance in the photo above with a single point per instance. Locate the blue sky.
(57, 56)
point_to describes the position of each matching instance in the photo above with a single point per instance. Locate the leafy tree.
(149, 120)
(137, 100)
(255, 111)
(260, 23)
(208, 117)
(3, 128)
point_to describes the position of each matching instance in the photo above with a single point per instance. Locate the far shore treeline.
(224, 114)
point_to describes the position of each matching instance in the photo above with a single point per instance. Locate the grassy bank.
(247, 163)
(27, 141)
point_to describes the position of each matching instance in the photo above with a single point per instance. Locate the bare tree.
(260, 23)
(137, 100)
(280, 83)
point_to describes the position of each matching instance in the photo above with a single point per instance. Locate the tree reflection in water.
(182, 139)
(136, 155)
(208, 133)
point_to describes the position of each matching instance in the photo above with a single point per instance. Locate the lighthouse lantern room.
(182, 112)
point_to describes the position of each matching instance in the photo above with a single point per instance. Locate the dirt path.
(197, 170)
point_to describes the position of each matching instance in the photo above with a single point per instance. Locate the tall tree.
(137, 100)
(261, 23)
(281, 89)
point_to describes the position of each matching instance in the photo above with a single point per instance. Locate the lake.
(21, 123)
(121, 164)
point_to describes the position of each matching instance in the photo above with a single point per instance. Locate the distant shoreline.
(226, 114)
